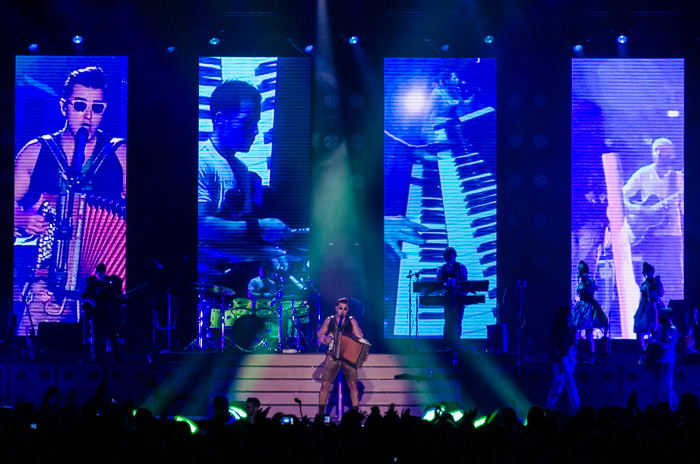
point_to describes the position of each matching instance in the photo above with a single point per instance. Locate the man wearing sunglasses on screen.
(49, 170)
(78, 154)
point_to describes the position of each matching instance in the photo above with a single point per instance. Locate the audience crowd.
(104, 431)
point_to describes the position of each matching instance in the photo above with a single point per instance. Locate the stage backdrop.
(253, 180)
(627, 185)
(70, 192)
(439, 187)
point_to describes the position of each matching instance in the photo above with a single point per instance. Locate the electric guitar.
(649, 215)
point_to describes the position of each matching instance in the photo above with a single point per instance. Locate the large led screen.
(627, 182)
(439, 192)
(69, 182)
(253, 189)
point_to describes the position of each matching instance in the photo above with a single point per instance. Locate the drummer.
(263, 289)
(263, 286)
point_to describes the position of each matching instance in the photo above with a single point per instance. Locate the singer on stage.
(49, 170)
(43, 165)
(450, 275)
(340, 322)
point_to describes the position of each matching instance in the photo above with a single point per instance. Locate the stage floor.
(185, 383)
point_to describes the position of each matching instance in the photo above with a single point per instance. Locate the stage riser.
(188, 386)
(306, 385)
(29, 382)
(275, 399)
(608, 385)
(292, 372)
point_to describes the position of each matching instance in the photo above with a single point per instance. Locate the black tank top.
(106, 182)
(347, 325)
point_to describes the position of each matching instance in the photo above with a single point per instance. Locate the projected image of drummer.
(253, 189)
(230, 194)
(70, 184)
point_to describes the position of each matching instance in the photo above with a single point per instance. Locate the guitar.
(647, 216)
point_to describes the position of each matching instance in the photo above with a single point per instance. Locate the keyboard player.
(450, 275)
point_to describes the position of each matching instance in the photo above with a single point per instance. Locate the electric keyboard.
(454, 195)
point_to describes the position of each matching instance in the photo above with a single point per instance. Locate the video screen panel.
(69, 182)
(627, 183)
(253, 182)
(439, 191)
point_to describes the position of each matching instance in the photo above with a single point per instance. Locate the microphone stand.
(411, 275)
(31, 333)
(522, 285)
(336, 355)
(155, 265)
(64, 277)
(314, 334)
(410, 310)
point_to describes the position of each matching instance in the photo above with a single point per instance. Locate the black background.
(533, 47)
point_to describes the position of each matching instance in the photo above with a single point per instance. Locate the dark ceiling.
(386, 26)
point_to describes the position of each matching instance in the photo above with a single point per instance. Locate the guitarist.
(654, 204)
(97, 307)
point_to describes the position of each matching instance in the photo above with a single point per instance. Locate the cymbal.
(217, 290)
(241, 254)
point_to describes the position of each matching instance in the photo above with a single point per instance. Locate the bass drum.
(249, 333)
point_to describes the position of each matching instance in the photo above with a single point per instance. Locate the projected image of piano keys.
(451, 127)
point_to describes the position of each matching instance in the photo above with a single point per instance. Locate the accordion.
(97, 234)
(351, 349)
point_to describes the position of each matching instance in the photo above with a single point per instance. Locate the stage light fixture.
(489, 39)
(622, 39)
(33, 47)
(578, 48)
(445, 47)
(309, 48)
(78, 39)
(214, 41)
(353, 40)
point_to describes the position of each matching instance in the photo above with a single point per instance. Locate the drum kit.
(225, 322)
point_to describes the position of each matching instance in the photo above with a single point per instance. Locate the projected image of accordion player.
(334, 327)
(100, 310)
(230, 196)
(78, 168)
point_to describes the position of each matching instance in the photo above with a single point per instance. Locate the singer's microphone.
(79, 155)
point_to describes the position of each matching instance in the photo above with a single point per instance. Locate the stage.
(169, 384)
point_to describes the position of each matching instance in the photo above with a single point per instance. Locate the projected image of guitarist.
(654, 207)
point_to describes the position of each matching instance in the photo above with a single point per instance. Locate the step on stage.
(185, 383)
